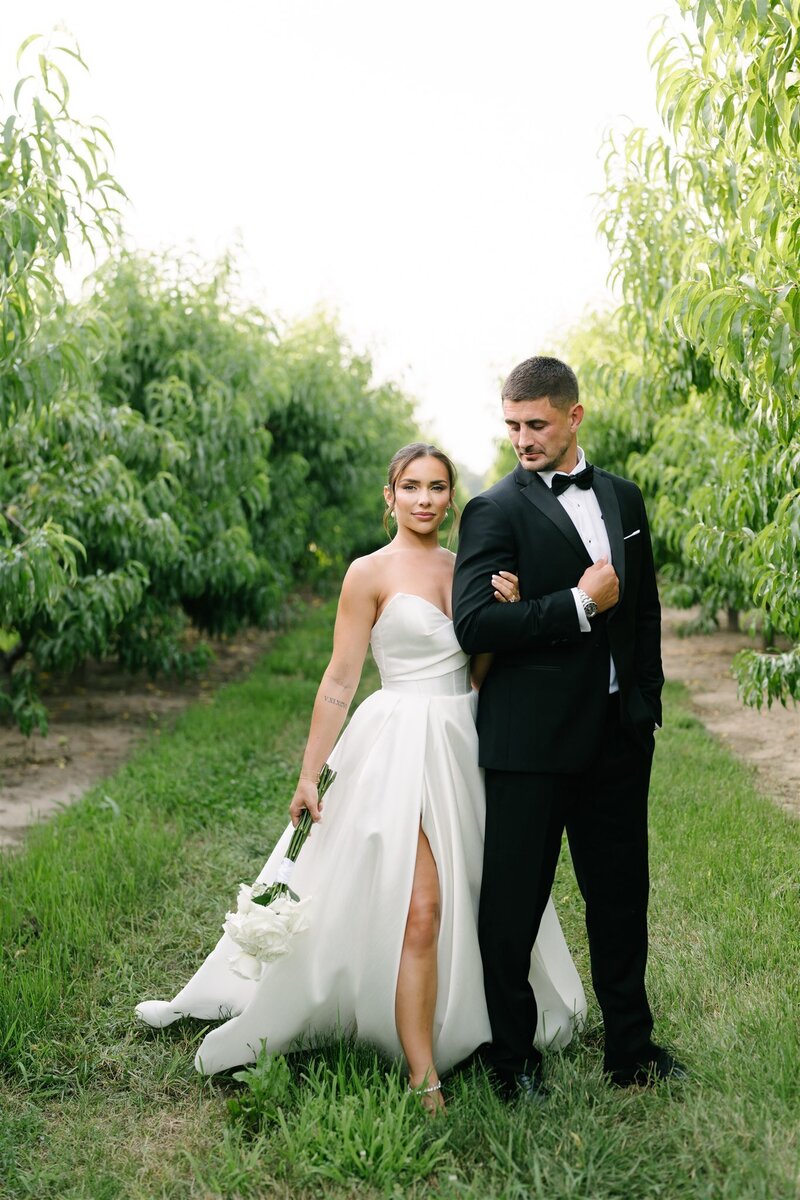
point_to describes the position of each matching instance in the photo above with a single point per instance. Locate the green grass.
(120, 896)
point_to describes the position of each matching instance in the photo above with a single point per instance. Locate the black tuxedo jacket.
(544, 701)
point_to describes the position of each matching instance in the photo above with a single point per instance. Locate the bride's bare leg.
(415, 1000)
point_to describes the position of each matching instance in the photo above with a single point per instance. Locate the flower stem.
(298, 840)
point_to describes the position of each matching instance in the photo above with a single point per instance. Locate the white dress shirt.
(583, 509)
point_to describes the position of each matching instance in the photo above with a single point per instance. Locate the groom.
(565, 719)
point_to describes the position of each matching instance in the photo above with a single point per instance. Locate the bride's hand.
(305, 796)
(506, 587)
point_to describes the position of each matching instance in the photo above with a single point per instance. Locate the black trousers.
(604, 811)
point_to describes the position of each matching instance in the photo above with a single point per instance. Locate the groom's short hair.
(542, 376)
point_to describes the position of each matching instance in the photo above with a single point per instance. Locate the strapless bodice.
(414, 646)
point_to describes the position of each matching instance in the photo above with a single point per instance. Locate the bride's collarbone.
(433, 585)
(435, 601)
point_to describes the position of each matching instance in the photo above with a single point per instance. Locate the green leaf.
(73, 54)
(756, 114)
(28, 41)
(25, 159)
(780, 349)
(20, 85)
(8, 135)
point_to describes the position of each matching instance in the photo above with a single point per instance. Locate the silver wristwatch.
(589, 605)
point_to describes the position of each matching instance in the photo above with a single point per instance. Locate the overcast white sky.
(426, 167)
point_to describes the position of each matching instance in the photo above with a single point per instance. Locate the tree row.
(169, 456)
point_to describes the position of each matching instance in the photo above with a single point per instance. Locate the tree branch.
(13, 521)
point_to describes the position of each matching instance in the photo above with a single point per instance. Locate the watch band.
(589, 605)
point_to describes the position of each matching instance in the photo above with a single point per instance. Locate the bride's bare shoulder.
(368, 562)
(366, 572)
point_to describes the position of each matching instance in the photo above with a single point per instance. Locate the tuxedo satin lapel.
(540, 496)
(609, 506)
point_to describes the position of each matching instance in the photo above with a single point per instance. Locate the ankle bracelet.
(425, 1091)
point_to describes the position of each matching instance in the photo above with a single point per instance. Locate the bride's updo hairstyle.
(403, 459)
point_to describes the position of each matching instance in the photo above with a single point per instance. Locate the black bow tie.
(583, 479)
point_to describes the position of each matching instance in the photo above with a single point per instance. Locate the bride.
(392, 867)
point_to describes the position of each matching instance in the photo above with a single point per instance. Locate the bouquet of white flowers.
(269, 914)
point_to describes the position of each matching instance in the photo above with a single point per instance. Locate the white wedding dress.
(409, 754)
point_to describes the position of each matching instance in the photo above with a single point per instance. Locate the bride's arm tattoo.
(333, 700)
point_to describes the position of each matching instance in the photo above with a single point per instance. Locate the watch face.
(589, 605)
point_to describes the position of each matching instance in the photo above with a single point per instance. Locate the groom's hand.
(600, 582)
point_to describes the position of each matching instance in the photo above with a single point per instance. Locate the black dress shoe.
(662, 1065)
(522, 1088)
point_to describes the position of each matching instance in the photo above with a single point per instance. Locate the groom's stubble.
(544, 435)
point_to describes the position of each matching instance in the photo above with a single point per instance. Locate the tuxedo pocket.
(641, 714)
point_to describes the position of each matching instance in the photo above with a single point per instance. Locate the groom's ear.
(575, 417)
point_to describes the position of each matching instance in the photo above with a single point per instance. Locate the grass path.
(121, 896)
